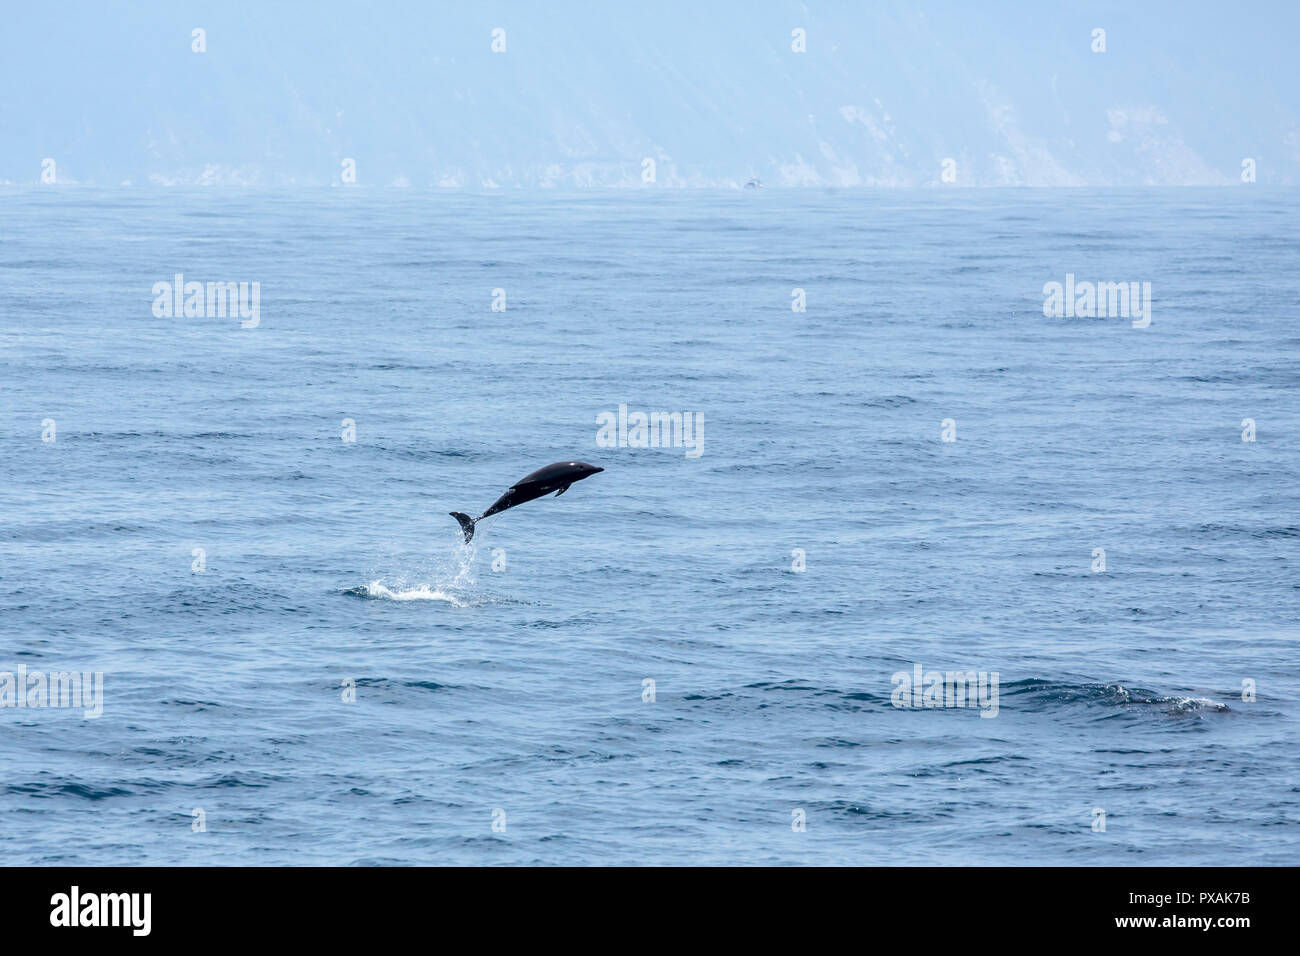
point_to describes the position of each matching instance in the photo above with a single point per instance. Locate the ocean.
(899, 466)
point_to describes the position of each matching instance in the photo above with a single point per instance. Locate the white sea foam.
(423, 592)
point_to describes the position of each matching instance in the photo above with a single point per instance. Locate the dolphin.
(543, 481)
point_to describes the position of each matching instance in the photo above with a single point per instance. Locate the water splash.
(449, 579)
(377, 589)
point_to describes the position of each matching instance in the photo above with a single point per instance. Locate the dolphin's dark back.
(573, 470)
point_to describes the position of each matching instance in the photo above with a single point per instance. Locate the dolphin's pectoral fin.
(562, 491)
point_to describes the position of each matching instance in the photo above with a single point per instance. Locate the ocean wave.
(1044, 694)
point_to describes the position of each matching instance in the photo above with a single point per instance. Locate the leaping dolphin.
(543, 481)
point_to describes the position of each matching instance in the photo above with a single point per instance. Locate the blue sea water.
(516, 696)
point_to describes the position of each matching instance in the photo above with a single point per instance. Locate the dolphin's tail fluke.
(466, 524)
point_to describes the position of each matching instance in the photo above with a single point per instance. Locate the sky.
(888, 94)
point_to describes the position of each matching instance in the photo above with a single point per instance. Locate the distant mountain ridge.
(883, 95)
